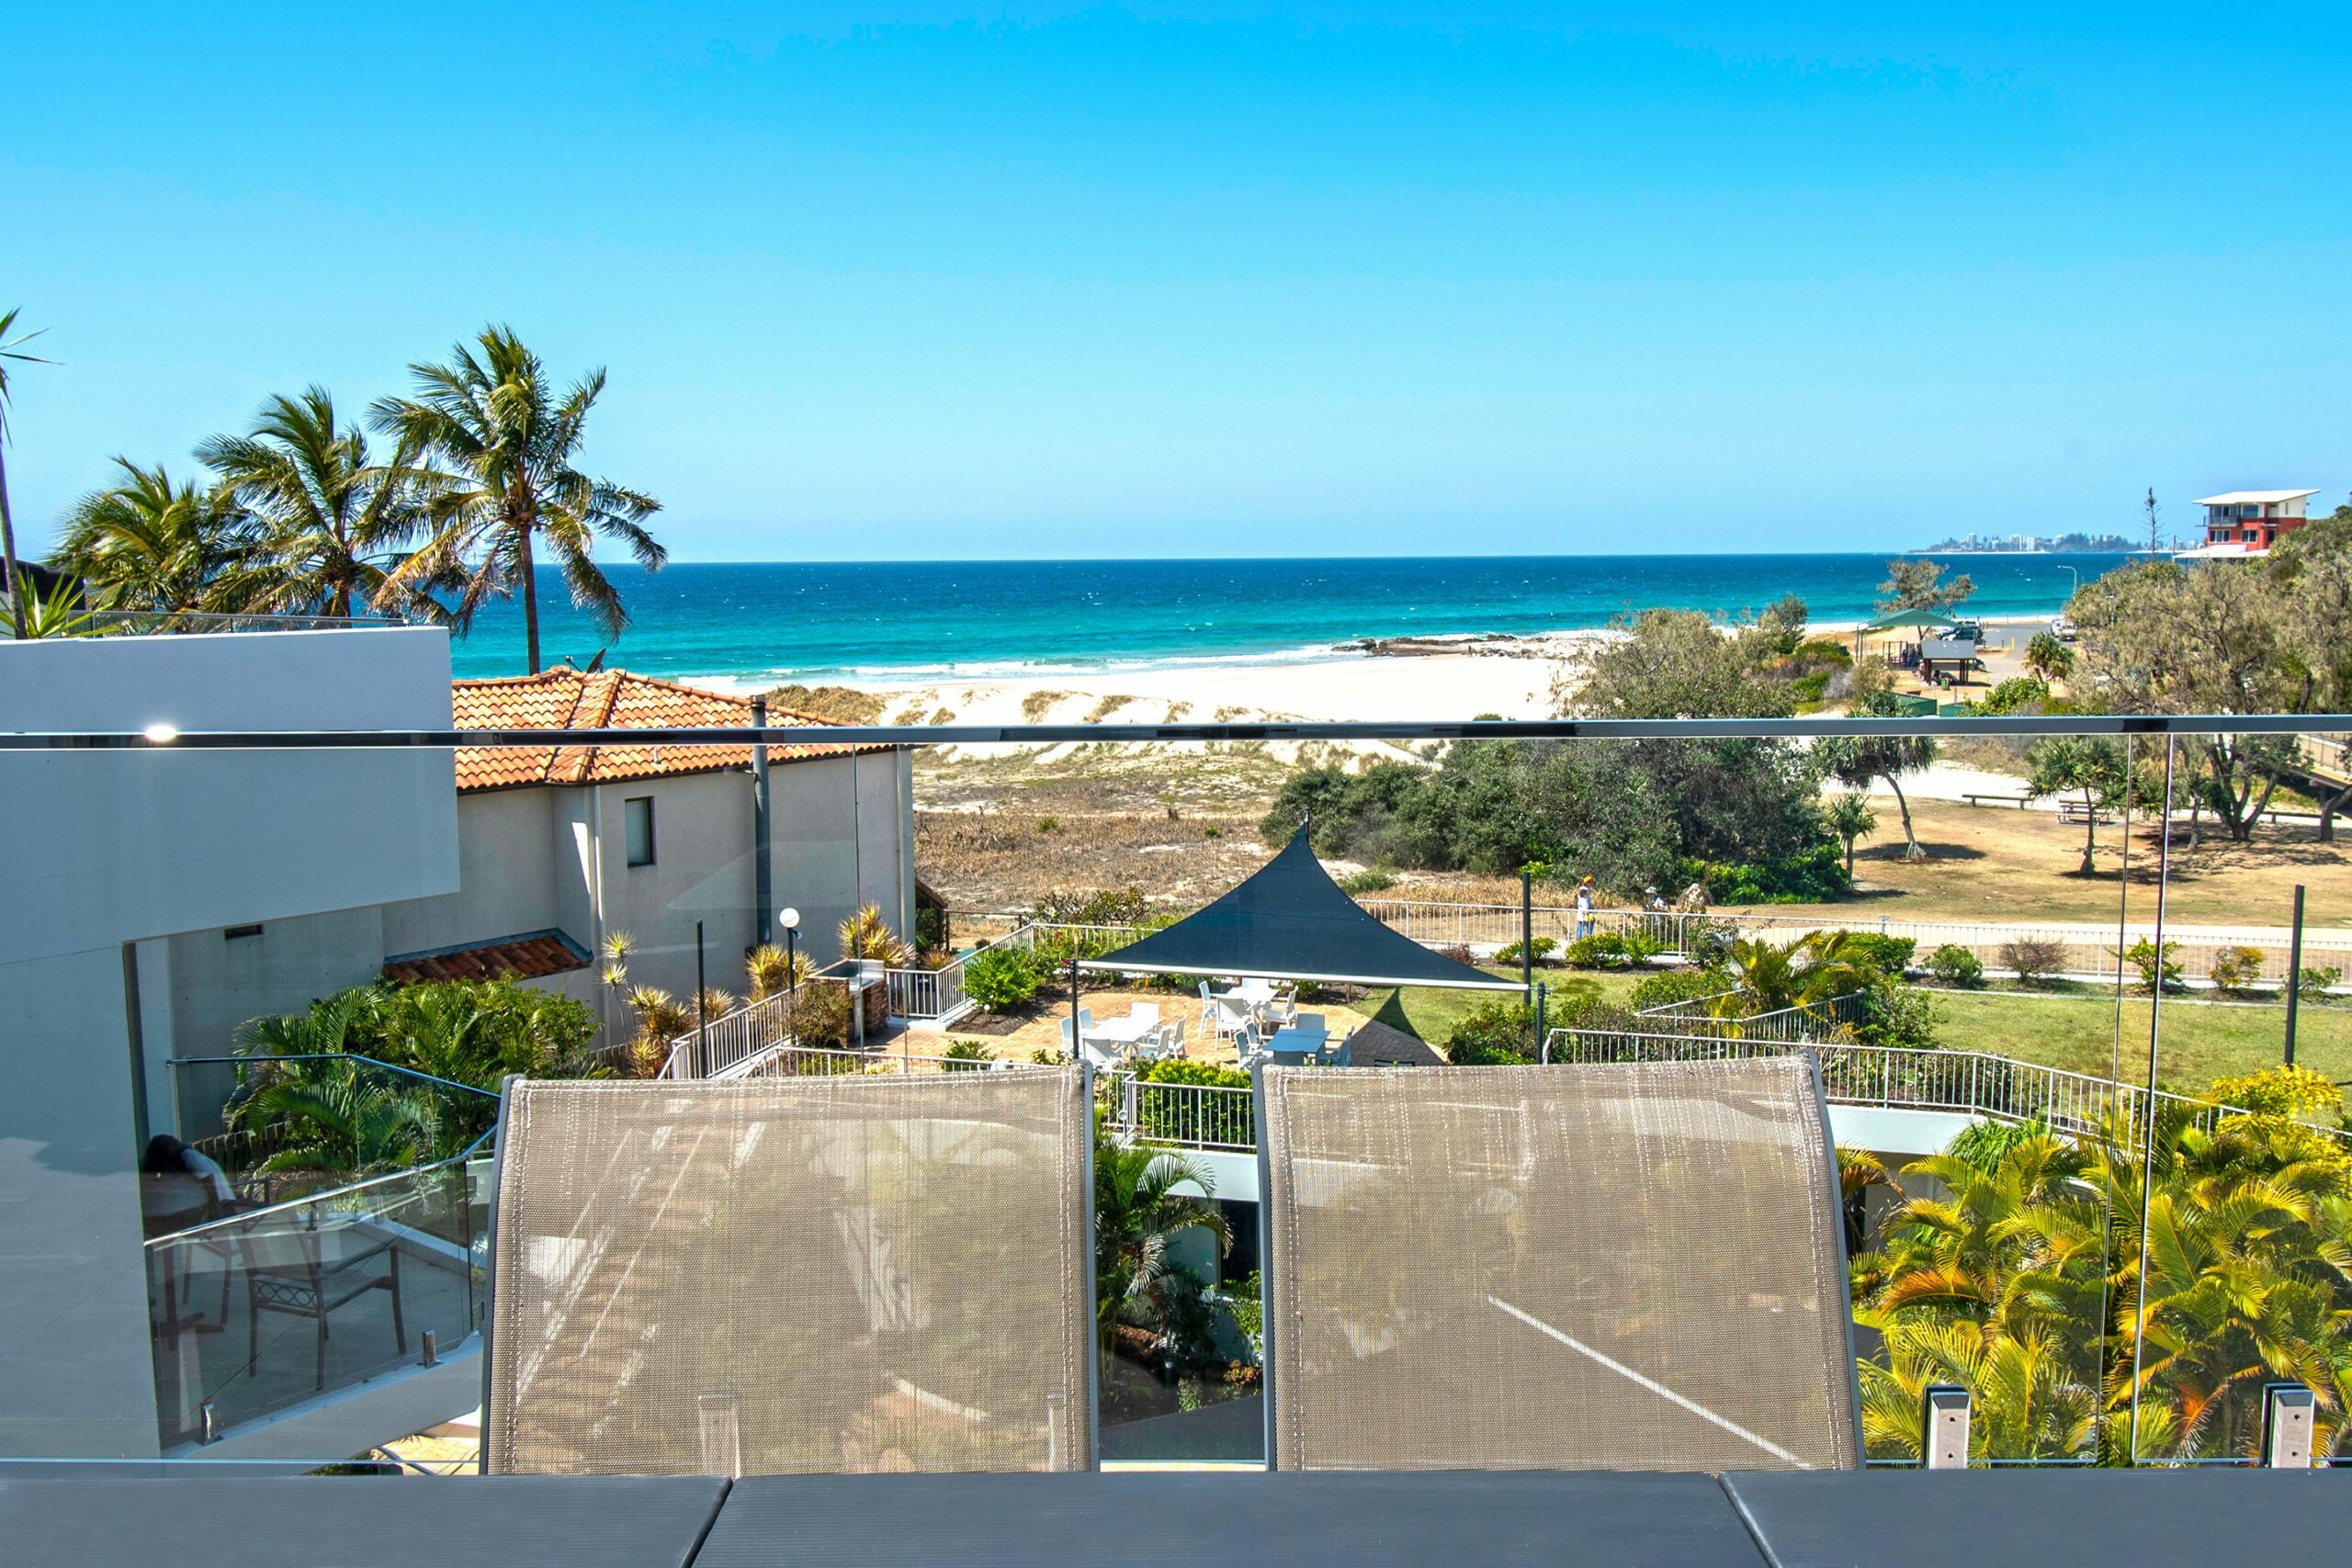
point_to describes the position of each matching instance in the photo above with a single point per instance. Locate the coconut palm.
(154, 543)
(1849, 815)
(1768, 976)
(2047, 659)
(329, 524)
(344, 1116)
(490, 446)
(1138, 1213)
(11, 352)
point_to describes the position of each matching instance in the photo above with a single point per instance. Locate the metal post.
(2294, 973)
(1526, 933)
(1943, 1427)
(1076, 1039)
(207, 1428)
(723, 1433)
(702, 1023)
(1542, 1035)
(432, 1356)
(2148, 1101)
(762, 892)
(1266, 1326)
(2286, 1410)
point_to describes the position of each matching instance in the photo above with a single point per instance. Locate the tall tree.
(491, 447)
(152, 543)
(1857, 760)
(11, 351)
(2078, 764)
(328, 523)
(2155, 524)
(1919, 585)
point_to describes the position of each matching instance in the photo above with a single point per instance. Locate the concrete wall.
(214, 982)
(509, 869)
(111, 847)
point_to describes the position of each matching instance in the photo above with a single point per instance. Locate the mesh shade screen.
(1610, 1267)
(781, 1275)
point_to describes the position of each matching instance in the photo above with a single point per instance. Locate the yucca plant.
(770, 973)
(865, 935)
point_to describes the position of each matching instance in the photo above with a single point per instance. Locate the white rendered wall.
(109, 846)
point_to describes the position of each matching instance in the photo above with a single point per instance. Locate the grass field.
(2201, 1040)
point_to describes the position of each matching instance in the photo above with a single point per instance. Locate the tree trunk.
(2090, 830)
(1849, 860)
(530, 601)
(1911, 850)
(2327, 810)
(9, 581)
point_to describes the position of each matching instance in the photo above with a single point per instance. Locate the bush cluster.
(1956, 965)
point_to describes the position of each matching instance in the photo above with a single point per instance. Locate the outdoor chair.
(1231, 1014)
(298, 1269)
(793, 1275)
(1602, 1267)
(1146, 1013)
(169, 1202)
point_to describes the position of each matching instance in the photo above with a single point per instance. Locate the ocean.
(771, 621)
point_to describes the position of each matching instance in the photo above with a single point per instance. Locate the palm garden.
(2018, 1269)
(478, 484)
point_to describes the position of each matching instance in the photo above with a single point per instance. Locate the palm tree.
(1850, 817)
(11, 350)
(341, 1116)
(2049, 659)
(1856, 760)
(152, 543)
(491, 447)
(328, 523)
(1137, 1212)
(2083, 763)
(1818, 967)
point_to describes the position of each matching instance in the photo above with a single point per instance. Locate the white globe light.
(788, 919)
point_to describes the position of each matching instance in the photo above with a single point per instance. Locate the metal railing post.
(2287, 1416)
(1943, 1427)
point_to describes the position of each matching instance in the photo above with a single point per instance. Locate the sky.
(1065, 281)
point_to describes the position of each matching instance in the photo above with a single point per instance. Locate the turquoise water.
(757, 621)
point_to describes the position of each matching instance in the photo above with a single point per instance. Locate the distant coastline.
(756, 625)
(2034, 545)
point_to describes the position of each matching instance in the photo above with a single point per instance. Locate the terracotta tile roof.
(527, 957)
(564, 698)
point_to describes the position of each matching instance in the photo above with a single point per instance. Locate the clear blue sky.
(1076, 281)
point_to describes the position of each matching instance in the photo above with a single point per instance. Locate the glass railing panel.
(262, 1312)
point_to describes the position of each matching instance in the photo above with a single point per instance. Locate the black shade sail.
(1290, 921)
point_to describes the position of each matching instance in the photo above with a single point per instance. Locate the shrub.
(1956, 965)
(1544, 945)
(1897, 1014)
(2235, 968)
(1374, 880)
(966, 1056)
(2019, 693)
(1670, 986)
(999, 978)
(1887, 954)
(1212, 831)
(817, 1015)
(1089, 906)
(1495, 1034)
(1213, 1074)
(2033, 959)
(1603, 950)
(2154, 967)
(1708, 943)
(1810, 875)
(1641, 945)
(1459, 953)
(2316, 983)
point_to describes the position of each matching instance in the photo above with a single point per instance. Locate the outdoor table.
(1122, 1033)
(1231, 1519)
(294, 1521)
(2067, 1518)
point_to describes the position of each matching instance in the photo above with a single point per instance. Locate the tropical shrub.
(469, 1031)
(1138, 1214)
(1543, 947)
(966, 1056)
(2315, 983)
(817, 1015)
(1897, 1014)
(1956, 965)
(1667, 986)
(865, 935)
(999, 978)
(1603, 950)
(2019, 693)
(2235, 968)
(2033, 959)
(2156, 968)
(1184, 1069)
(1373, 880)
(1642, 945)
(1885, 954)
(1497, 1033)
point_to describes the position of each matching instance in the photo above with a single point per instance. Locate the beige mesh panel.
(828, 1274)
(1609, 1267)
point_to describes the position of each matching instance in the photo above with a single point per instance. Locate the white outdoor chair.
(1233, 1016)
(1146, 1013)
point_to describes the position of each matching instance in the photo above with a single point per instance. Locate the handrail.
(330, 1057)
(248, 1215)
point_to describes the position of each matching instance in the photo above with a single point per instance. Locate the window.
(639, 813)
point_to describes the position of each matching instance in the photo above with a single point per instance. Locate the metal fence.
(1195, 1115)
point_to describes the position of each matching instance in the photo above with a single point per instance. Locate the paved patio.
(1044, 1031)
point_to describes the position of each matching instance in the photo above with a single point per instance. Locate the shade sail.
(1290, 921)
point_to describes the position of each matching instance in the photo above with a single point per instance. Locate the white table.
(1124, 1033)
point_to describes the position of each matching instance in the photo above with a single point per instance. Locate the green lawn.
(2202, 1040)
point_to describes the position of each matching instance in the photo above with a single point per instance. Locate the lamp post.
(790, 920)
